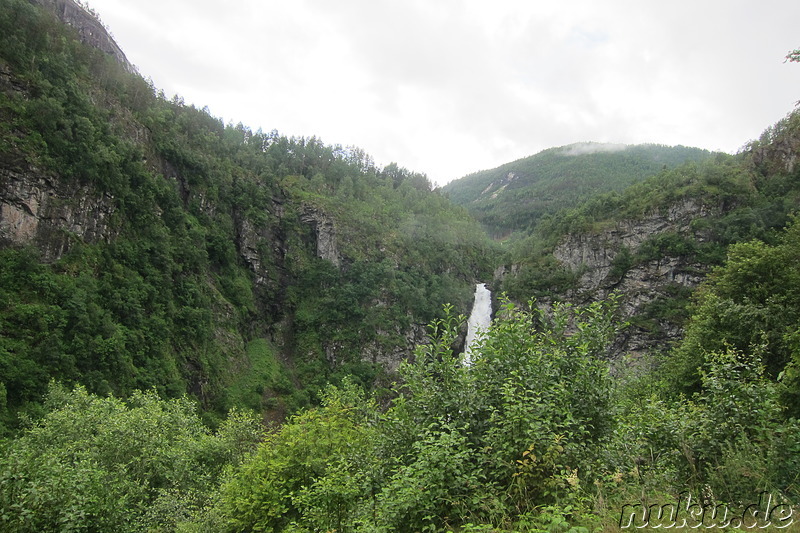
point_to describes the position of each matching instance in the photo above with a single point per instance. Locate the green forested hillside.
(199, 327)
(736, 198)
(515, 196)
(657, 239)
(535, 436)
(147, 245)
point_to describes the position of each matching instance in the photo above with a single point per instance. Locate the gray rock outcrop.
(37, 209)
(90, 30)
(595, 258)
(324, 232)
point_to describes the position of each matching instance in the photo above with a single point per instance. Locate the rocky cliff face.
(780, 154)
(596, 258)
(390, 354)
(88, 26)
(324, 232)
(594, 254)
(37, 207)
(39, 210)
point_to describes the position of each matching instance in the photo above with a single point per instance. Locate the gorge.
(208, 328)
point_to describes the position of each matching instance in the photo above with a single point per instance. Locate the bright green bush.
(313, 470)
(102, 464)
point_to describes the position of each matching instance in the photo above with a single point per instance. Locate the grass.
(260, 371)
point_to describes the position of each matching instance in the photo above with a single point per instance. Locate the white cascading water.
(479, 318)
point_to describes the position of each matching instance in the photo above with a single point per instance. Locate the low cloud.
(448, 88)
(592, 148)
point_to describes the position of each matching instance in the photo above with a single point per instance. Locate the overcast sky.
(449, 87)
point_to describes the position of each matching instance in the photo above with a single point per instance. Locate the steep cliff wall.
(39, 210)
(612, 260)
(88, 26)
(595, 253)
(324, 233)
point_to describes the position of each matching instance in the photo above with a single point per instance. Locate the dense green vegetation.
(751, 305)
(209, 357)
(734, 199)
(514, 197)
(731, 198)
(100, 464)
(209, 244)
(535, 436)
(489, 443)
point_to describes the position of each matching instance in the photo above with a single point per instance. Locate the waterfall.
(479, 318)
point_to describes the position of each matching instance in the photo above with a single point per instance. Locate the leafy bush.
(101, 464)
(313, 470)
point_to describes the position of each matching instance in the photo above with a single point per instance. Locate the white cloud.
(454, 86)
(592, 148)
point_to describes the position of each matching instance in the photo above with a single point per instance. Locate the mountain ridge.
(90, 28)
(511, 198)
(200, 326)
(165, 250)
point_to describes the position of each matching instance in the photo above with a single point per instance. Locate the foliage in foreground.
(101, 464)
(534, 436)
(458, 444)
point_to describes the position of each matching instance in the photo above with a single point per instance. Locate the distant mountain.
(514, 196)
(153, 259)
(654, 241)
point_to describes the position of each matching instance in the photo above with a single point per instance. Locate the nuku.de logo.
(689, 513)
